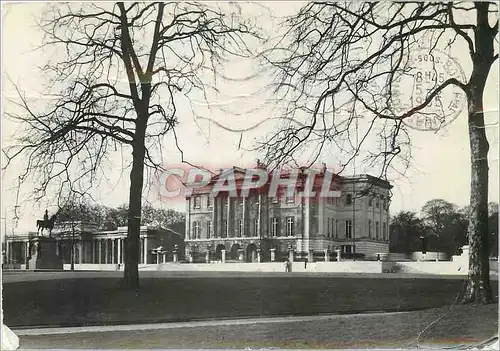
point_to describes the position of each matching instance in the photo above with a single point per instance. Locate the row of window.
(332, 228)
(349, 198)
(291, 199)
(275, 228)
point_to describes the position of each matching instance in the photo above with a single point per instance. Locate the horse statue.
(46, 223)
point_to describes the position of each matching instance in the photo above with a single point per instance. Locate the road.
(21, 276)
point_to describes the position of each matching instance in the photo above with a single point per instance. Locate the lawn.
(98, 301)
(450, 326)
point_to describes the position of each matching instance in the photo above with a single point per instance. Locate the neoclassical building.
(95, 246)
(257, 227)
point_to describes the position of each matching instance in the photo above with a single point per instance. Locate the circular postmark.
(427, 70)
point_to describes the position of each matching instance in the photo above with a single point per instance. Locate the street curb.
(190, 324)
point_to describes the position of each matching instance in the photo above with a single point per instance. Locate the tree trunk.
(478, 287)
(131, 272)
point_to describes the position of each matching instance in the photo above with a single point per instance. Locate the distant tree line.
(109, 218)
(443, 224)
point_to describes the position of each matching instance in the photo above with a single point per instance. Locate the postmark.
(427, 70)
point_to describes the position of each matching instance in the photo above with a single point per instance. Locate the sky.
(440, 166)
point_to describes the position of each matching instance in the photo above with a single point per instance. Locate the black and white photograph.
(250, 175)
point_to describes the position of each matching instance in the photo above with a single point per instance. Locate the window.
(274, 226)
(377, 202)
(290, 199)
(337, 228)
(196, 230)
(209, 229)
(370, 201)
(240, 228)
(197, 202)
(224, 229)
(377, 230)
(347, 248)
(328, 231)
(384, 228)
(385, 204)
(369, 228)
(348, 199)
(275, 199)
(256, 227)
(210, 202)
(348, 229)
(290, 226)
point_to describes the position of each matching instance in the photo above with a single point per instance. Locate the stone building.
(257, 227)
(95, 246)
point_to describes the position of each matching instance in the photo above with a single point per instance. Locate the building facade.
(256, 227)
(92, 245)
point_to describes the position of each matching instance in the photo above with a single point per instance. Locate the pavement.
(406, 330)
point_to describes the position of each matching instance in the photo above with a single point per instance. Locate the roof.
(336, 180)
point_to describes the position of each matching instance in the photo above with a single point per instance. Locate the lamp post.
(209, 249)
(290, 252)
(176, 252)
(423, 244)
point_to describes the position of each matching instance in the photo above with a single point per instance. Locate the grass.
(439, 327)
(99, 300)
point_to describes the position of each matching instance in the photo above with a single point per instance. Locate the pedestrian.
(287, 266)
(305, 263)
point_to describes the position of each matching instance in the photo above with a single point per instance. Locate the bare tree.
(118, 74)
(350, 75)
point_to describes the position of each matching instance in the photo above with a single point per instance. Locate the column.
(259, 217)
(243, 217)
(80, 251)
(113, 251)
(214, 219)
(223, 255)
(145, 250)
(93, 251)
(229, 226)
(99, 250)
(187, 232)
(7, 252)
(107, 251)
(273, 255)
(327, 255)
(338, 255)
(207, 256)
(290, 255)
(119, 250)
(27, 248)
(141, 250)
(221, 214)
(124, 247)
(240, 254)
(310, 257)
(258, 255)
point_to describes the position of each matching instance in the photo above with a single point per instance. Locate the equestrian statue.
(46, 223)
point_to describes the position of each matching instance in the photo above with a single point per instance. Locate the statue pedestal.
(44, 254)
